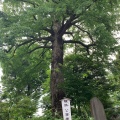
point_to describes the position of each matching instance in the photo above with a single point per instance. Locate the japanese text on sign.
(66, 109)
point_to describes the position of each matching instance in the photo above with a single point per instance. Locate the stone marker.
(97, 109)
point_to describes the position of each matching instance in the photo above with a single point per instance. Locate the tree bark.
(56, 74)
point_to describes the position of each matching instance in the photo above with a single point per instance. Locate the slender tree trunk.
(56, 74)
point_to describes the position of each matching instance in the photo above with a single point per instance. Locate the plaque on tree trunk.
(97, 109)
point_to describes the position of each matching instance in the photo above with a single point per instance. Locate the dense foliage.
(34, 35)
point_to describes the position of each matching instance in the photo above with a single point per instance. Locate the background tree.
(51, 24)
(23, 108)
(4, 110)
(23, 80)
(114, 75)
(24, 73)
(84, 78)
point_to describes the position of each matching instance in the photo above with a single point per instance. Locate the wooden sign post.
(97, 109)
(66, 109)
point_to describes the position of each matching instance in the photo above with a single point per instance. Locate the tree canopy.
(35, 33)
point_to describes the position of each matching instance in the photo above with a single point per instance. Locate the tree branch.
(67, 24)
(48, 30)
(31, 44)
(89, 35)
(69, 33)
(45, 46)
(41, 38)
(7, 51)
(29, 2)
(32, 40)
(41, 56)
(79, 42)
(49, 47)
(17, 46)
(23, 43)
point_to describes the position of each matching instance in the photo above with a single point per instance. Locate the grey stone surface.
(97, 109)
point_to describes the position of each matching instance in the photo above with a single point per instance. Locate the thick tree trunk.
(56, 74)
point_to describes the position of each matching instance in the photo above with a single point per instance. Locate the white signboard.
(66, 109)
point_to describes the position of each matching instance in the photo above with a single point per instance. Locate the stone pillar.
(97, 109)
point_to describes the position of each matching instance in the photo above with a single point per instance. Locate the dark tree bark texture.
(56, 74)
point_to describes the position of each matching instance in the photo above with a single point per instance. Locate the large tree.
(50, 24)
